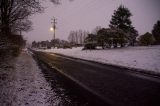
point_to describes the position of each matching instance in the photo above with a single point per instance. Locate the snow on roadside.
(24, 84)
(147, 58)
(30, 83)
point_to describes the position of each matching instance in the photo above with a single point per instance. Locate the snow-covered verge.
(22, 83)
(147, 58)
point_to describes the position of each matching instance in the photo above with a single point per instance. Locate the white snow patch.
(32, 88)
(22, 83)
(147, 58)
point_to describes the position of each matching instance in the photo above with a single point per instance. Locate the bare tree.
(77, 37)
(71, 37)
(14, 14)
(56, 1)
(81, 37)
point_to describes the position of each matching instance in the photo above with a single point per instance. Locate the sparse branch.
(13, 11)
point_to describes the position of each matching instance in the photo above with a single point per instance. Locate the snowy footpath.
(145, 58)
(23, 84)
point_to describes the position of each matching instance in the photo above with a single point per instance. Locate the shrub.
(15, 50)
(90, 46)
(146, 39)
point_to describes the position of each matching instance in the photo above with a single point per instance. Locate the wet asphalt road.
(69, 92)
(114, 85)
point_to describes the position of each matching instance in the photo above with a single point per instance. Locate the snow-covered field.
(147, 58)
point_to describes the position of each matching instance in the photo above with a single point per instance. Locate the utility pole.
(54, 27)
(20, 31)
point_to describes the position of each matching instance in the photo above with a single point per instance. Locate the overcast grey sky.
(87, 14)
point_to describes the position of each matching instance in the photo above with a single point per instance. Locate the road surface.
(114, 85)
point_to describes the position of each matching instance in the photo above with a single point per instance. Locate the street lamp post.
(53, 28)
(54, 31)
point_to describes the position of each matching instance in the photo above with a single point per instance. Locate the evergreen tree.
(120, 37)
(121, 20)
(133, 34)
(107, 37)
(156, 32)
(90, 42)
(146, 39)
(90, 38)
(102, 37)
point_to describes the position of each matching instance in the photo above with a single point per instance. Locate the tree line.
(77, 38)
(53, 43)
(121, 32)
